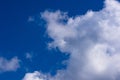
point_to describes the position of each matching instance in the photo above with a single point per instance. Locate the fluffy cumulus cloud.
(9, 65)
(92, 40)
(35, 76)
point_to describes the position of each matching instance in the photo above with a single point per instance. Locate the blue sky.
(25, 35)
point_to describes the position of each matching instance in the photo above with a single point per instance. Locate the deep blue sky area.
(18, 36)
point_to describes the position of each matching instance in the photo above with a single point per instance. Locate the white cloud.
(9, 65)
(93, 41)
(32, 76)
(35, 76)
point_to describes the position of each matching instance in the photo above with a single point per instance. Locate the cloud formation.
(28, 56)
(93, 41)
(9, 65)
(35, 76)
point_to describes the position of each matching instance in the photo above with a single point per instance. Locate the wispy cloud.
(9, 65)
(93, 41)
(31, 19)
(28, 56)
